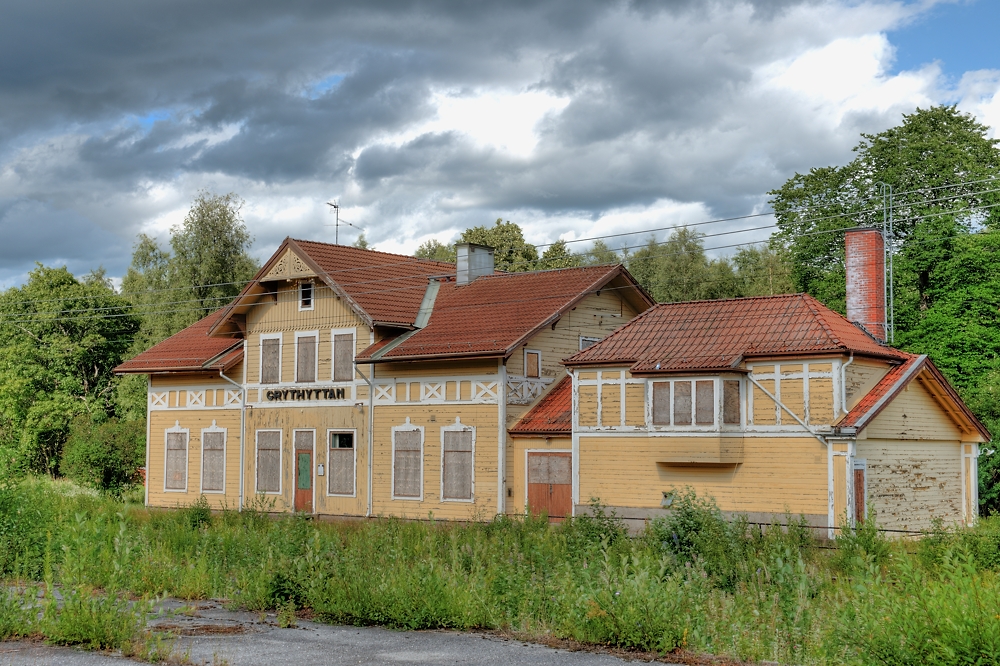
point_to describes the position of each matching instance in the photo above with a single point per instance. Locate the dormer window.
(305, 296)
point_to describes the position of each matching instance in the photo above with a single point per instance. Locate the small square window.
(587, 342)
(306, 296)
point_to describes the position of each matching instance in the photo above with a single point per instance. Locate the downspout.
(843, 383)
(371, 426)
(502, 439)
(790, 412)
(149, 414)
(243, 416)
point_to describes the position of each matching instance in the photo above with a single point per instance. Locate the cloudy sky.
(573, 118)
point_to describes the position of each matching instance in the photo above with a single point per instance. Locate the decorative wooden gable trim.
(289, 266)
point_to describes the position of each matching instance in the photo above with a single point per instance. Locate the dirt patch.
(200, 629)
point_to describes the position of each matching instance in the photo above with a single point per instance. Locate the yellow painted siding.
(437, 368)
(329, 312)
(635, 404)
(860, 377)
(588, 405)
(913, 414)
(320, 419)
(777, 474)
(611, 404)
(516, 474)
(820, 400)
(172, 382)
(840, 463)
(764, 409)
(194, 421)
(792, 395)
(911, 483)
(482, 417)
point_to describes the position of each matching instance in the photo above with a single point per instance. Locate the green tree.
(362, 243)
(436, 251)
(511, 251)
(60, 339)
(678, 270)
(762, 271)
(600, 253)
(105, 455)
(558, 255)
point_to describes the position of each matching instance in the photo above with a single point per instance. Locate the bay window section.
(695, 403)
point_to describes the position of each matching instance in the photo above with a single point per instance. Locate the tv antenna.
(335, 208)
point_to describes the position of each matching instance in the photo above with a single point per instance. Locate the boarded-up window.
(304, 439)
(341, 462)
(177, 460)
(661, 403)
(343, 357)
(682, 403)
(306, 296)
(268, 461)
(305, 368)
(406, 463)
(270, 361)
(548, 468)
(705, 403)
(731, 401)
(587, 342)
(457, 464)
(213, 461)
(532, 364)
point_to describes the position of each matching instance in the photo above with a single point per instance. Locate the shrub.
(105, 456)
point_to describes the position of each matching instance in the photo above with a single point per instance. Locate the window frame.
(407, 426)
(532, 351)
(187, 457)
(260, 352)
(592, 339)
(334, 332)
(225, 444)
(306, 334)
(312, 295)
(718, 405)
(458, 426)
(353, 432)
(281, 461)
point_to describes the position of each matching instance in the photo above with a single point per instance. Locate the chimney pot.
(472, 261)
(865, 255)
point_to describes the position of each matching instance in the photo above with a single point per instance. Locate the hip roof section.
(719, 335)
(189, 350)
(552, 416)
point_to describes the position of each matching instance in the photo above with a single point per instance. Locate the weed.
(286, 616)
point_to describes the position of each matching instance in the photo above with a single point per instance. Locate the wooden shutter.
(268, 461)
(661, 403)
(531, 363)
(406, 464)
(340, 476)
(457, 464)
(177, 460)
(270, 365)
(305, 370)
(704, 407)
(682, 403)
(213, 462)
(731, 401)
(343, 357)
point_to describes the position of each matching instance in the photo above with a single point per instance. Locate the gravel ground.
(209, 634)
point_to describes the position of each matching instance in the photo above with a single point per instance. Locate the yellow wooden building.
(348, 382)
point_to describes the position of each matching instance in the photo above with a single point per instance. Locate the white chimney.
(473, 261)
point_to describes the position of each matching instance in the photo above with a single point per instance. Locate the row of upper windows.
(306, 357)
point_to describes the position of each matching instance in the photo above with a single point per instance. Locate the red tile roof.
(886, 388)
(388, 287)
(187, 351)
(718, 335)
(491, 315)
(552, 416)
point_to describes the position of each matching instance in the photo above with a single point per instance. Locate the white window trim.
(295, 466)
(354, 482)
(281, 461)
(593, 340)
(306, 334)
(694, 426)
(187, 457)
(720, 409)
(525, 361)
(312, 300)
(862, 464)
(225, 460)
(260, 354)
(458, 426)
(407, 426)
(353, 332)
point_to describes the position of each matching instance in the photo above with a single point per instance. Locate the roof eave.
(540, 433)
(497, 353)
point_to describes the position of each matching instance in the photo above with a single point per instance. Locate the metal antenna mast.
(335, 207)
(888, 249)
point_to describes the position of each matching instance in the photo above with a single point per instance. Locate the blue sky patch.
(961, 36)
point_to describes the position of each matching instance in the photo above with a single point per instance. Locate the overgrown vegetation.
(693, 580)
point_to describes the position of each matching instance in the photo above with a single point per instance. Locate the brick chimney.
(865, 253)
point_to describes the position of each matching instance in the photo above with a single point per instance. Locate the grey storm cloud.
(103, 105)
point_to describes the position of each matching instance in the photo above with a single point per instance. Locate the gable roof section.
(383, 289)
(189, 350)
(719, 335)
(918, 368)
(494, 314)
(551, 417)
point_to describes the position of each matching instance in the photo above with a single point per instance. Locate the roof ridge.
(773, 297)
(549, 270)
(812, 303)
(362, 249)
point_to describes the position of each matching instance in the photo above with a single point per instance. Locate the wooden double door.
(550, 484)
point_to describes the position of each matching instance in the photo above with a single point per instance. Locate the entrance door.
(304, 470)
(859, 492)
(550, 484)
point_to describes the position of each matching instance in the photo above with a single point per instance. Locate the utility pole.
(335, 205)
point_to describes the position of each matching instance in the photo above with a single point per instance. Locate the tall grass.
(693, 580)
